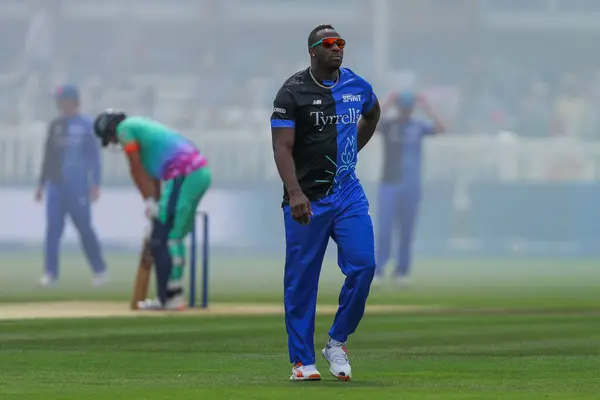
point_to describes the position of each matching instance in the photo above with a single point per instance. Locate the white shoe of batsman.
(175, 304)
(336, 356)
(150, 304)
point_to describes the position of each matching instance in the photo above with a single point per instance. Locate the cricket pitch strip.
(104, 309)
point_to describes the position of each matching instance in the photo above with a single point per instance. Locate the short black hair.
(312, 37)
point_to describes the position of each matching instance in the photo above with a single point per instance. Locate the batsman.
(172, 176)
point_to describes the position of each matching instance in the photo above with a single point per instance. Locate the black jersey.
(325, 122)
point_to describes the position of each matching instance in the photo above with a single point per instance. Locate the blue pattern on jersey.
(353, 97)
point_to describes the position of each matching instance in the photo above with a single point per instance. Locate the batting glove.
(151, 208)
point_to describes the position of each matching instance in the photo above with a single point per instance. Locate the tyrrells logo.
(321, 119)
(348, 98)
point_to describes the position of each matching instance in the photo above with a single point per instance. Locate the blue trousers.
(344, 217)
(398, 207)
(63, 200)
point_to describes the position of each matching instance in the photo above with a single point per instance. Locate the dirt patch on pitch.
(72, 309)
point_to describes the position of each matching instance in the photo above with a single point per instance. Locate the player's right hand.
(151, 208)
(300, 207)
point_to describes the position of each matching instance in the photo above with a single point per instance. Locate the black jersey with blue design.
(325, 122)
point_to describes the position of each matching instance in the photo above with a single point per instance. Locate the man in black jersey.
(322, 117)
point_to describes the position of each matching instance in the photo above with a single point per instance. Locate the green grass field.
(502, 329)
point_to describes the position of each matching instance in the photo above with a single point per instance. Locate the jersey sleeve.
(127, 137)
(284, 110)
(370, 98)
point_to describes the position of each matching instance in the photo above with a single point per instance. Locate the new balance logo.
(348, 98)
(317, 102)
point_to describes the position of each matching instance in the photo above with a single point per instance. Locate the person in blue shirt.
(400, 189)
(70, 182)
(322, 117)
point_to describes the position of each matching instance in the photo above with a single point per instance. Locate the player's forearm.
(157, 186)
(429, 113)
(366, 129)
(95, 167)
(44, 171)
(287, 169)
(95, 173)
(145, 184)
(45, 163)
(43, 176)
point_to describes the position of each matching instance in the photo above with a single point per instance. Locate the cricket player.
(400, 189)
(172, 177)
(70, 181)
(322, 117)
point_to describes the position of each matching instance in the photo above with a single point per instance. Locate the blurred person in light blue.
(70, 182)
(400, 189)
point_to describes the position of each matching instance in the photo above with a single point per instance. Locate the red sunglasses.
(329, 42)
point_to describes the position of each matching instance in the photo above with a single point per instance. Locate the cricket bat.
(142, 279)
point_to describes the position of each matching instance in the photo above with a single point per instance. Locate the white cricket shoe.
(47, 281)
(100, 279)
(339, 366)
(305, 373)
(150, 304)
(176, 303)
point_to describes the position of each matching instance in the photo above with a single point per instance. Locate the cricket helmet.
(105, 125)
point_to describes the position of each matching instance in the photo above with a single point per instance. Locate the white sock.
(333, 342)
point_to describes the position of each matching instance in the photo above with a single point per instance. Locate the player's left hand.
(151, 208)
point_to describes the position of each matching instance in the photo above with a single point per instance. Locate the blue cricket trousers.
(398, 206)
(344, 217)
(63, 199)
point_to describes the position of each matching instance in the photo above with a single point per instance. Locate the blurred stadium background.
(508, 239)
(517, 82)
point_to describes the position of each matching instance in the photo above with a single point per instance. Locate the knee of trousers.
(157, 244)
(362, 260)
(160, 232)
(159, 237)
